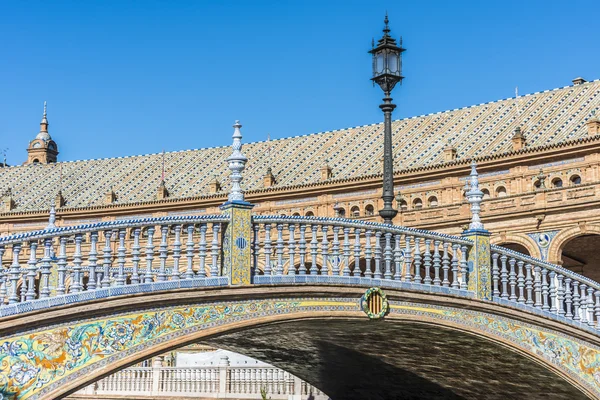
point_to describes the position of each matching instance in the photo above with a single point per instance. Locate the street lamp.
(387, 72)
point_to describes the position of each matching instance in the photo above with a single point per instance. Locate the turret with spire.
(42, 149)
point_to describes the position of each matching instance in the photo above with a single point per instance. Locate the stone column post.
(297, 389)
(157, 364)
(223, 367)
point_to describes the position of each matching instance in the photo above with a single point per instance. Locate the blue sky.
(133, 77)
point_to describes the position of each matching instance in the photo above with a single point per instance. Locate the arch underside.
(421, 350)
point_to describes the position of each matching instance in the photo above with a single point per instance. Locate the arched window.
(417, 204)
(310, 214)
(537, 184)
(501, 191)
(575, 180)
(295, 214)
(403, 205)
(432, 201)
(355, 211)
(36, 161)
(557, 183)
(486, 193)
(341, 212)
(369, 210)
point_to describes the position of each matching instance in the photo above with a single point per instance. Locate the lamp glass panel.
(379, 62)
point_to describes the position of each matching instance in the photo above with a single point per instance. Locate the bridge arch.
(522, 240)
(563, 237)
(124, 332)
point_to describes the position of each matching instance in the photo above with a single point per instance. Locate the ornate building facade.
(538, 155)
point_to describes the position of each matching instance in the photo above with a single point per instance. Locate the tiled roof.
(547, 118)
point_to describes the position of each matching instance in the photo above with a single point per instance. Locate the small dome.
(45, 136)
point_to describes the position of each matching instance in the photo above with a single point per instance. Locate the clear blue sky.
(134, 77)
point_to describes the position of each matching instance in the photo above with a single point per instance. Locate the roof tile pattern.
(547, 118)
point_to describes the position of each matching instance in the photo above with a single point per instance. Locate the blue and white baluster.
(388, 256)
(121, 253)
(314, 247)
(214, 269)
(335, 252)
(529, 284)
(576, 298)
(76, 286)
(302, 247)
(417, 260)
(521, 281)
(537, 287)
(397, 257)
(23, 292)
(495, 275)
(512, 279)
(590, 307)
(135, 256)
(14, 274)
(267, 249)
(368, 254)
(560, 295)
(202, 253)
(280, 247)
(454, 266)
(427, 262)
(445, 265)
(583, 304)
(378, 254)
(545, 292)
(92, 259)
(464, 267)
(62, 266)
(176, 253)
(553, 305)
(324, 251)
(568, 298)
(162, 254)
(597, 309)
(292, 249)
(149, 276)
(346, 251)
(356, 270)
(45, 269)
(437, 263)
(31, 270)
(107, 255)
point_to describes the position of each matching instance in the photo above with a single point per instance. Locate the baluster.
(45, 267)
(267, 249)
(176, 253)
(436, 263)
(464, 267)
(495, 275)
(292, 250)
(529, 284)
(546, 304)
(214, 269)
(454, 265)
(162, 254)
(107, 256)
(590, 306)
(560, 295)
(280, 246)
(92, 258)
(568, 298)
(3, 277)
(23, 284)
(378, 255)
(314, 247)
(148, 276)
(256, 248)
(189, 252)
(202, 252)
(397, 258)
(135, 256)
(356, 270)
(521, 281)
(445, 265)
(335, 252)
(427, 262)
(512, 279)
(324, 251)
(407, 259)
(346, 270)
(31, 271)
(387, 273)
(504, 276)
(553, 306)
(302, 270)
(77, 261)
(583, 304)
(597, 309)
(368, 254)
(576, 297)
(537, 285)
(61, 266)
(418, 258)
(121, 277)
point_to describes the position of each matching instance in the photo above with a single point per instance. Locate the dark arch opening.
(581, 255)
(519, 248)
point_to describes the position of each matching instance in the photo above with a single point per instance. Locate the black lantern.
(387, 72)
(387, 61)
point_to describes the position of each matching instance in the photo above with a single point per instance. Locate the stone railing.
(222, 381)
(530, 282)
(300, 249)
(109, 258)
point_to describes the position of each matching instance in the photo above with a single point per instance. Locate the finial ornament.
(52, 218)
(237, 163)
(474, 197)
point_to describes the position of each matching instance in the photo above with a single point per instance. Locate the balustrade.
(545, 286)
(69, 263)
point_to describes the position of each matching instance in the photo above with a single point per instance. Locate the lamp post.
(387, 72)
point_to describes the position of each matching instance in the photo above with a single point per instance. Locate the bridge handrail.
(545, 264)
(102, 226)
(351, 223)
